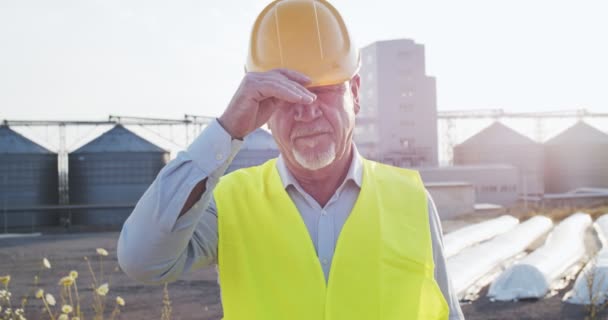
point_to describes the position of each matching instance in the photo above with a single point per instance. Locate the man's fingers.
(300, 89)
(288, 77)
(285, 92)
(303, 89)
(295, 76)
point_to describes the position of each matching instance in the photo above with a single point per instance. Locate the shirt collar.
(354, 174)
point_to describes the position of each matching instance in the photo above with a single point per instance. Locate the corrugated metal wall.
(259, 146)
(576, 158)
(452, 198)
(115, 168)
(28, 178)
(498, 144)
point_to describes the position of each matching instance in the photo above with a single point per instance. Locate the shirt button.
(323, 212)
(324, 262)
(219, 157)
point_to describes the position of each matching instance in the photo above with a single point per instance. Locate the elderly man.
(320, 232)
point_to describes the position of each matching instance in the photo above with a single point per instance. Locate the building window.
(489, 188)
(406, 106)
(508, 188)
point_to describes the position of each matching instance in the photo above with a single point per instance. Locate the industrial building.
(452, 198)
(28, 182)
(494, 184)
(499, 144)
(576, 158)
(258, 147)
(397, 123)
(109, 174)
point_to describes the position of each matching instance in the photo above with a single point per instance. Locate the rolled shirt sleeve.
(154, 245)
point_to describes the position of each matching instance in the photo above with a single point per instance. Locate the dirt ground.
(196, 295)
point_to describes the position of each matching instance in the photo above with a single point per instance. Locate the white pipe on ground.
(473, 263)
(532, 276)
(456, 241)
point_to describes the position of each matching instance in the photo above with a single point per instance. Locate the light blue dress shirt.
(156, 246)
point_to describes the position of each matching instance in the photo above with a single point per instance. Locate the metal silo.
(259, 146)
(577, 157)
(499, 144)
(28, 181)
(114, 169)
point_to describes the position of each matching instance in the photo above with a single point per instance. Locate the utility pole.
(62, 169)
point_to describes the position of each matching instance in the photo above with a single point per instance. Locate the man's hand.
(259, 95)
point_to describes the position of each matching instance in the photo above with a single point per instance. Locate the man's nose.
(307, 112)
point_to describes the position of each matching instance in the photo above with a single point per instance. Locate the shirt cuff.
(213, 148)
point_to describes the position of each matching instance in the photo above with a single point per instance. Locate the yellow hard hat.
(308, 36)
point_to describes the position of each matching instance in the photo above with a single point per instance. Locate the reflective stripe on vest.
(382, 266)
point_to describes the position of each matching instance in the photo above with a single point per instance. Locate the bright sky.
(80, 59)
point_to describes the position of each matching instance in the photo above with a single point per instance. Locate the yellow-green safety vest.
(382, 266)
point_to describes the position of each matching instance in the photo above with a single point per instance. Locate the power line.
(500, 113)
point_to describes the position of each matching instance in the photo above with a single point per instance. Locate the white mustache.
(308, 131)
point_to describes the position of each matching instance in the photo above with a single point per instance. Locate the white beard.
(316, 161)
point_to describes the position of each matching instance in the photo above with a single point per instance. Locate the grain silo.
(258, 147)
(115, 169)
(576, 158)
(28, 181)
(499, 144)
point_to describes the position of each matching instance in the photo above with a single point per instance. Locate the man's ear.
(355, 84)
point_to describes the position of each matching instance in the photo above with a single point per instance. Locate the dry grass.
(595, 282)
(68, 305)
